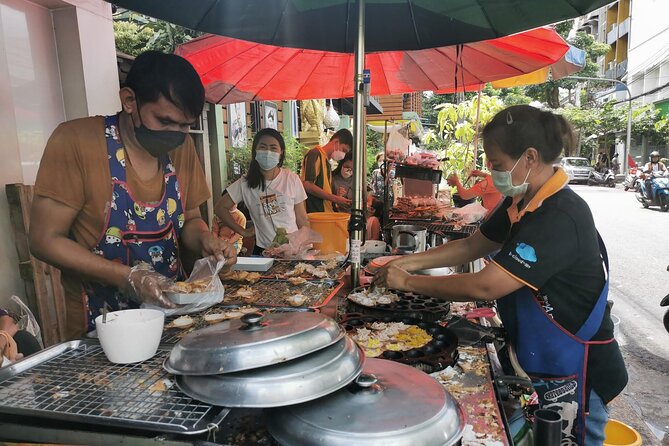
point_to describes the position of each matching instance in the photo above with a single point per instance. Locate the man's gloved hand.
(146, 285)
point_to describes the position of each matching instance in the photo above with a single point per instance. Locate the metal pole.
(359, 161)
(628, 142)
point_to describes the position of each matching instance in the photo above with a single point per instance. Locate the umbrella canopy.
(391, 24)
(235, 70)
(572, 62)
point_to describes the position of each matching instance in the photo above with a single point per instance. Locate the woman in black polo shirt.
(550, 276)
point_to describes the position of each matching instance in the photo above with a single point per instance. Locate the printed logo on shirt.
(270, 205)
(524, 254)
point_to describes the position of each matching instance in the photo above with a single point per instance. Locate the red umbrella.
(235, 70)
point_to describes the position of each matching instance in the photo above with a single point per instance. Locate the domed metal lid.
(389, 402)
(255, 340)
(291, 382)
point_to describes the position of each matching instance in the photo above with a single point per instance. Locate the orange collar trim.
(554, 185)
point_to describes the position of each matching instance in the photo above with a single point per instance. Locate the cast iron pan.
(439, 353)
(410, 305)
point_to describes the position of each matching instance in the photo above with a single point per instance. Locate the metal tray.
(281, 267)
(75, 382)
(172, 335)
(410, 305)
(455, 230)
(439, 353)
(273, 293)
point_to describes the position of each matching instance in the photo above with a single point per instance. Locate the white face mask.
(346, 173)
(338, 155)
(503, 182)
(267, 160)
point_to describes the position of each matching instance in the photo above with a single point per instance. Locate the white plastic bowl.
(130, 336)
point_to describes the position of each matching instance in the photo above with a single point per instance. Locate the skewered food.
(241, 276)
(297, 299)
(215, 318)
(297, 280)
(302, 269)
(196, 286)
(182, 322)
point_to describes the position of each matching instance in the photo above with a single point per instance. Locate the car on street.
(577, 168)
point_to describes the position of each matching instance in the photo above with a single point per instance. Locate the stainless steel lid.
(390, 403)
(253, 341)
(302, 379)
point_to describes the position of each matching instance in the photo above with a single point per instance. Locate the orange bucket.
(620, 434)
(333, 226)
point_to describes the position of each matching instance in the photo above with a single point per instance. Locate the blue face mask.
(503, 182)
(267, 160)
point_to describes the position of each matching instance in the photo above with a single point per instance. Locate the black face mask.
(158, 142)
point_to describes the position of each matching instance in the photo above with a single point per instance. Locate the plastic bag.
(299, 242)
(26, 320)
(471, 213)
(204, 271)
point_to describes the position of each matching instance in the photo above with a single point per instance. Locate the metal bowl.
(255, 340)
(292, 382)
(389, 403)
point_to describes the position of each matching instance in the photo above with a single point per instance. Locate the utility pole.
(629, 113)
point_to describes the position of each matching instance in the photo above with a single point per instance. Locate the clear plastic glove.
(146, 286)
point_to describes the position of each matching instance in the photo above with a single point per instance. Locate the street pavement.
(637, 240)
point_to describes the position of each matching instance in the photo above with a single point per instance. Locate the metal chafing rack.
(273, 293)
(74, 382)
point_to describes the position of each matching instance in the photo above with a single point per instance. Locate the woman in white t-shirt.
(274, 196)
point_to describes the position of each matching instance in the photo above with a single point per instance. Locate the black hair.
(519, 127)
(344, 136)
(154, 73)
(254, 176)
(337, 171)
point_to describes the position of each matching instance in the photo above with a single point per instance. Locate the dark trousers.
(26, 343)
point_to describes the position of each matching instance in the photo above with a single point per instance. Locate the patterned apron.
(555, 359)
(134, 231)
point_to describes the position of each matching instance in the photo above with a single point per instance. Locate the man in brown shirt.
(116, 194)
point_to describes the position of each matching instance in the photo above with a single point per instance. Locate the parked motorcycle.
(602, 179)
(633, 179)
(658, 195)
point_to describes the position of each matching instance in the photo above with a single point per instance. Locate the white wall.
(57, 62)
(649, 48)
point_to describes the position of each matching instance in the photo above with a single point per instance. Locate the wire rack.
(74, 381)
(273, 292)
(281, 267)
(445, 228)
(172, 335)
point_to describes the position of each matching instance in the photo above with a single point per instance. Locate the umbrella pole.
(359, 169)
(476, 127)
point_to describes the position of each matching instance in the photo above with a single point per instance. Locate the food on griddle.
(377, 337)
(330, 264)
(247, 294)
(215, 318)
(196, 286)
(372, 297)
(302, 269)
(182, 322)
(297, 280)
(241, 276)
(297, 300)
(233, 314)
(161, 385)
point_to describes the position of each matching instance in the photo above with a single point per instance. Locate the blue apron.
(555, 359)
(135, 232)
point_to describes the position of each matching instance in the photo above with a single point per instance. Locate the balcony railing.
(624, 27)
(612, 35)
(621, 69)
